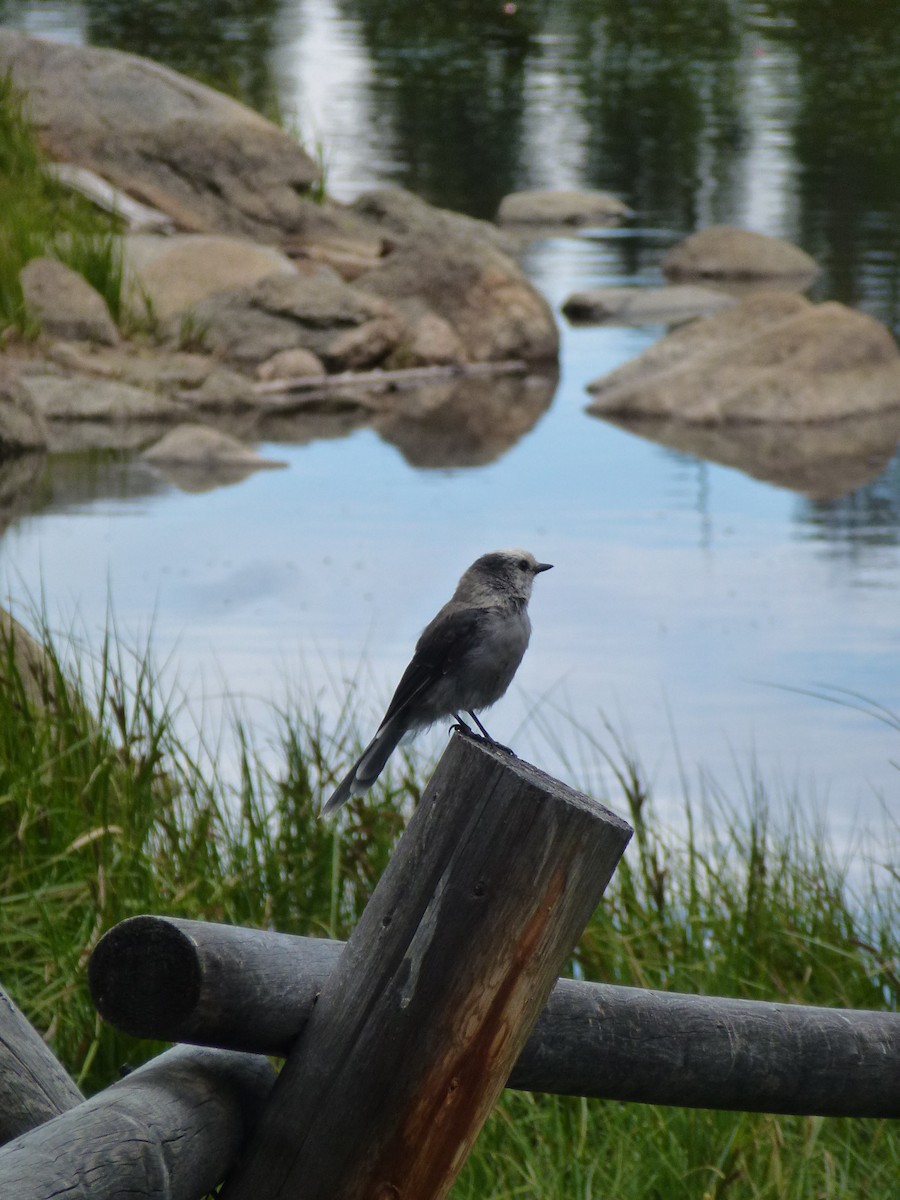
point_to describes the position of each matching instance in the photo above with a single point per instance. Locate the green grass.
(40, 217)
(105, 813)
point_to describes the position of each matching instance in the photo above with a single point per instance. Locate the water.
(706, 615)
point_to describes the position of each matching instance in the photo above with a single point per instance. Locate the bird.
(464, 661)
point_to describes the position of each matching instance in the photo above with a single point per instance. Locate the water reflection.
(227, 45)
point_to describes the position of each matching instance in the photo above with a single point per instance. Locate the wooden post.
(168, 1131)
(34, 1086)
(250, 989)
(415, 1032)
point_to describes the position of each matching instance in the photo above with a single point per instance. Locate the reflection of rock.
(64, 303)
(824, 461)
(19, 479)
(455, 268)
(197, 458)
(725, 252)
(645, 305)
(773, 357)
(207, 161)
(175, 273)
(466, 423)
(539, 207)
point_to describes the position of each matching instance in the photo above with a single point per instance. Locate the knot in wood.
(387, 1191)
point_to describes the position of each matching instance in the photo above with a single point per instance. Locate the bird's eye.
(523, 564)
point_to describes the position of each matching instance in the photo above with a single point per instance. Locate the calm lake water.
(709, 617)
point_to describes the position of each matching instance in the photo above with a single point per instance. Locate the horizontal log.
(34, 1086)
(220, 985)
(168, 1131)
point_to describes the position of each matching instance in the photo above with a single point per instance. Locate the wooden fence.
(397, 1044)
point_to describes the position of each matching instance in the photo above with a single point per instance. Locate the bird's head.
(509, 573)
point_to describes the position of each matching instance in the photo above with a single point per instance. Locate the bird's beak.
(543, 567)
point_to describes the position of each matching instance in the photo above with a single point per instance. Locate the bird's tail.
(367, 767)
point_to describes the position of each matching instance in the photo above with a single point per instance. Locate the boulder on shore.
(175, 273)
(724, 252)
(64, 303)
(455, 267)
(202, 158)
(773, 357)
(22, 426)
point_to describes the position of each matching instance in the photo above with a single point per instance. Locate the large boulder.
(346, 328)
(175, 273)
(207, 161)
(773, 357)
(64, 303)
(724, 252)
(455, 268)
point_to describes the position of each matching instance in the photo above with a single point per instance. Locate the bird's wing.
(442, 644)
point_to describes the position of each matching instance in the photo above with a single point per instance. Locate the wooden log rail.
(221, 985)
(168, 1131)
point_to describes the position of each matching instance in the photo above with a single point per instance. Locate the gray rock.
(176, 273)
(562, 207)
(290, 364)
(21, 425)
(400, 214)
(475, 288)
(725, 252)
(314, 311)
(62, 398)
(645, 305)
(207, 161)
(65, 304)
(773, 357)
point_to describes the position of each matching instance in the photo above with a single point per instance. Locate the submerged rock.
(645, 305)
(196, 458)
(65, 304)
(724, 252)
(773, 357)
(563, 207)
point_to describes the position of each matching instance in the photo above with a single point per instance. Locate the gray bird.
(464, 661)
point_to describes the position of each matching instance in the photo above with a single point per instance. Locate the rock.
(21, 425)
(548, 207)
(60, 398)
(399, 214)
(205, 160)
(340, 324)
(728, 253)
(224, 390)
(824, 461)
(65, 304)
(460, 275)
(645, 305)
(175, 273)
(429, 341)
(773, 357)
(290, 364)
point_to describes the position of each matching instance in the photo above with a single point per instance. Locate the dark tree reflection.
(448, 93)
